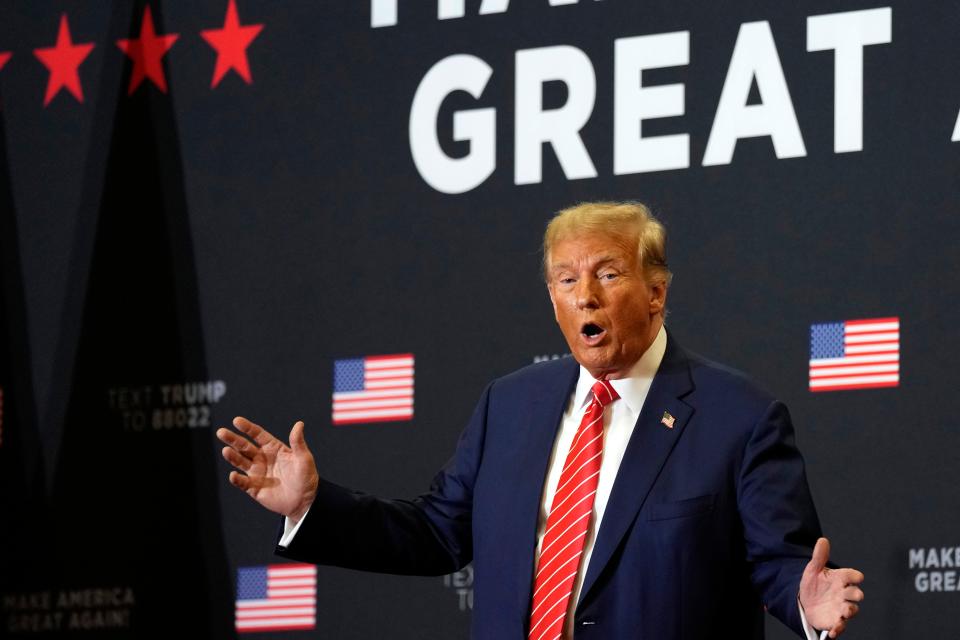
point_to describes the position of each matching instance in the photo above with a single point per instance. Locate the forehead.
(590, 250)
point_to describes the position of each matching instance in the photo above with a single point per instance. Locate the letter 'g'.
(458, 72)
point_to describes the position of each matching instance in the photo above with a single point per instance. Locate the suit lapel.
(648, 449)
(540, 424)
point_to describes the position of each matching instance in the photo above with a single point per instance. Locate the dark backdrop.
(202, 247)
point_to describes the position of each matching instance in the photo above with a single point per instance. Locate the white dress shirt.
(619, 418)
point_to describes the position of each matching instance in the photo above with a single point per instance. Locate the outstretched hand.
(829, 596)
(281, 478)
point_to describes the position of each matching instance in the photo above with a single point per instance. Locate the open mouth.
(592, 332)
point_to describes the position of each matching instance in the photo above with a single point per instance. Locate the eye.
(566, 280)
(610, 275)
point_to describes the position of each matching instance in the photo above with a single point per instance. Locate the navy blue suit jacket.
(708, 523)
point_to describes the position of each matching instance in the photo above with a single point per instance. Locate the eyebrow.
(599, 263)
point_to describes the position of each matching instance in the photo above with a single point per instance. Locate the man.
(646, 493)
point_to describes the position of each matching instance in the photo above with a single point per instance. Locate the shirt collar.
(634, 387)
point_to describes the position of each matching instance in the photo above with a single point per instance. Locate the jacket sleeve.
(429, 535)
(779, 519)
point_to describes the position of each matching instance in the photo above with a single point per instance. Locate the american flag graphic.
(856, 354)
(373, 389)
(276, 597)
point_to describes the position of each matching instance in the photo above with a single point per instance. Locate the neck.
(623, 372)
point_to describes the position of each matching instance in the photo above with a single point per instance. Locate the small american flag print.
(276, 597)
(855, 354)
(373, 389)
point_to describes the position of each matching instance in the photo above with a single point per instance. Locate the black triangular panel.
(135, 485)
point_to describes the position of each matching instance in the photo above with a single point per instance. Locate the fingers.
(256, 433)
(838, 629)
(237, 442)
(237, 460)
(853, 594)
(239, 480)
(818, 561)
(821, 554)
(250, 484)
(297, 442)
(850, 576)
(850, 610)
(847, 611)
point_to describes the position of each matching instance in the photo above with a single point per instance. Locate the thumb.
(821, 554)
(297, 442)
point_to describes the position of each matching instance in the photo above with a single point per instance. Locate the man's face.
(607, 312)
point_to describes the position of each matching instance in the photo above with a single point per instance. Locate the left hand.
(829, 597)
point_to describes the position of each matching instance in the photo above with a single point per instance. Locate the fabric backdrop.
(205, 206)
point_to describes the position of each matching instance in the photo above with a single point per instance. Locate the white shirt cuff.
(290, 530)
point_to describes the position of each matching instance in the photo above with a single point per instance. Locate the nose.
(587, 296)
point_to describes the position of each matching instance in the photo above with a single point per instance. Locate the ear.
(658, 297)
(553, 302)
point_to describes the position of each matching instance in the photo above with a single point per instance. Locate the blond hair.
(628, 223)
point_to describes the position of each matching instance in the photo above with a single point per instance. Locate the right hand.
(281, 478)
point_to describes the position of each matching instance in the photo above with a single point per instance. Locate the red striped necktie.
(569, 521)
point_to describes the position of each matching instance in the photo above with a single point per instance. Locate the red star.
(62, 60)
(4, 57)
(146, 52)
(231, 43)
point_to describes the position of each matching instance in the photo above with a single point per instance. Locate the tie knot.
(604, 392)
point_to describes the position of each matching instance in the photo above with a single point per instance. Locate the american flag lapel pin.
(667, 420)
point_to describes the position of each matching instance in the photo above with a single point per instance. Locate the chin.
(595, 365)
